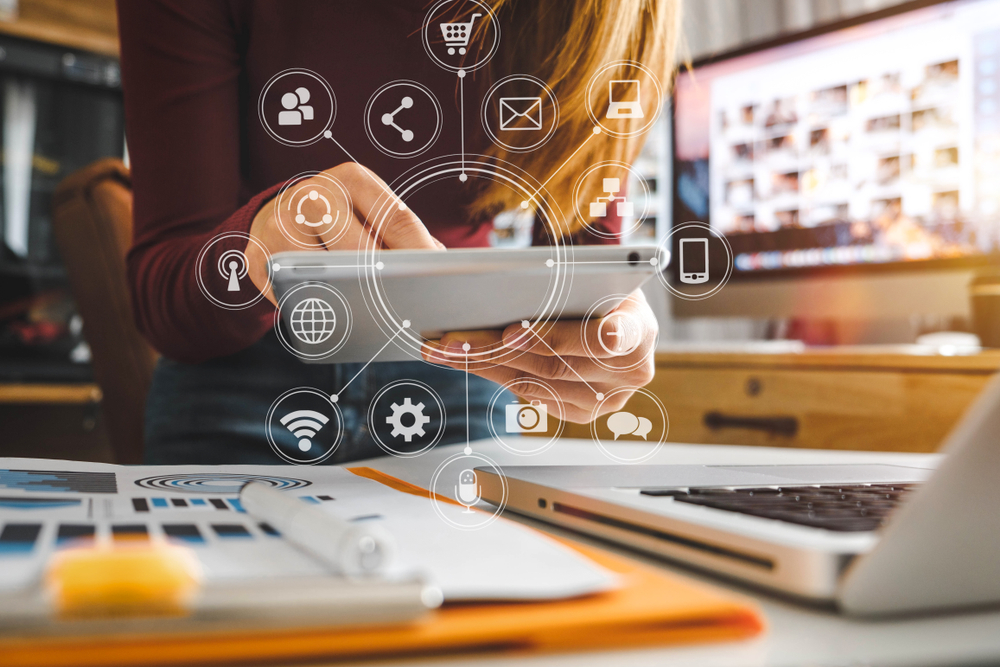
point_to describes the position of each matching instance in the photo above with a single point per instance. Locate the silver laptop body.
(939, 547)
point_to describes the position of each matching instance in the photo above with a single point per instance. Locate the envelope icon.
(514, 108)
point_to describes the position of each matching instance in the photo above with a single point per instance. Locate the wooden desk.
(53, 421)
(901, 398)
(89, 25)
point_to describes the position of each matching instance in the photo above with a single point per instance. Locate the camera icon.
(531, 418)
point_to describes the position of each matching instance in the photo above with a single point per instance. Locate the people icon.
(233, 267)
(296, 107)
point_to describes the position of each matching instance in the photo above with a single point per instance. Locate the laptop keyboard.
(844, 507)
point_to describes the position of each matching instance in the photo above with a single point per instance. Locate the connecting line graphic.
(329, 135)
(335, 397)
(534, 194)
(598, 394)
(468, 446)
(461, 98)
(378, 265)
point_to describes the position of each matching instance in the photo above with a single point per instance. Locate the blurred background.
(61, 110)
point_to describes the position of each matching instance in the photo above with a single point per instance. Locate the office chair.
(92, 221)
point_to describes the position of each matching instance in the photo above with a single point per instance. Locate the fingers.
(386, 216)
(574, 369)
(627, 329)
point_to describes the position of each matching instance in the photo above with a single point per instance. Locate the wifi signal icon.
(304, 424)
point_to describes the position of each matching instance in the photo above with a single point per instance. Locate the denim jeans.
(214, 412)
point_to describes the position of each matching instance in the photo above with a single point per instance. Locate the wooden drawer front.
(882, 410)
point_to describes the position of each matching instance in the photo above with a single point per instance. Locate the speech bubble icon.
(623, 423)
(645, 426)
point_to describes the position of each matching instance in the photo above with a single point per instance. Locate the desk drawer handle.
(774, 425)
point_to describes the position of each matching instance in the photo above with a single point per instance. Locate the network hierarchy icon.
(315, 316)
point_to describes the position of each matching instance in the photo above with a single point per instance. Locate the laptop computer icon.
(624, 99)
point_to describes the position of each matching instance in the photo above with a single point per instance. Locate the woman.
(203, 165)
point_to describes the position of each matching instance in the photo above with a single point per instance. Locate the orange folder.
(651, 608)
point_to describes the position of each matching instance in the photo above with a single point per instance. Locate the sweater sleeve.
(181, 73)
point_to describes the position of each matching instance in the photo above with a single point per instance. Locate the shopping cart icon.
(457, 35)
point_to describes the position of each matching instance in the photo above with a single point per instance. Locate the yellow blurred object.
(123, 578)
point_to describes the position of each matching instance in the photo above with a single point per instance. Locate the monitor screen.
(875, 143)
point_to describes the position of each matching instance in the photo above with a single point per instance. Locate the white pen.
(351, 549)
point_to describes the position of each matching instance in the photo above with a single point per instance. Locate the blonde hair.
(564, 42)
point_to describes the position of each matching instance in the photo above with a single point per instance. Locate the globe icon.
(313, 321)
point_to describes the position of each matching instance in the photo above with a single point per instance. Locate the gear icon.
(396, 420)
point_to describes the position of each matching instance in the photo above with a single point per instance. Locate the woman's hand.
(562, 355)
(362, 216)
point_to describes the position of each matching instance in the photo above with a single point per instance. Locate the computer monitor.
(854, 169)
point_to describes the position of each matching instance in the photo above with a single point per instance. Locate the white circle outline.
(439, 119)
(267, 126)
(433, 171)
(425, 37)
(656, 448)
(492, 426)
(436, 498)
(201, 260)
(663, 255)
(270, 416)
(548, 92)
(374, 432)
(348, 328)
(589, 350)
(294, 181)
(652, 117)
(588, 223)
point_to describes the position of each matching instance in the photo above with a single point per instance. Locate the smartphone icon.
(694, 261)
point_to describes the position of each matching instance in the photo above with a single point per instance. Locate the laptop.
(872, 539)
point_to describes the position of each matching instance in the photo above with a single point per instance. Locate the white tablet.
(333, 308)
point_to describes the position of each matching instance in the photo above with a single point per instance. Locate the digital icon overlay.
(612, 187)
(312, 209)
(530, 417)
(313, 321)
(403, 119)
(694, 261)
(538, 418)
(625, 98)
(636, 433)
(624, 207)
(456, 35)
(461, 35)
(458, 488)
(223, 268)
(406, 418)
(520, 113)
(234, 267)
(513, 109)
(626, 423)
(304, 426)
(297, 107)
(619, 89)
(610, 353)
(467, 491)
(697, 261)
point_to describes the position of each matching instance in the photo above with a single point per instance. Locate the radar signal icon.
(233, 266)
(304, 425)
